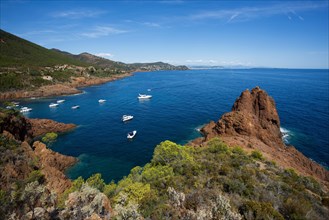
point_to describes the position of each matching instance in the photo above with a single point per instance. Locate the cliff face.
(254, 123)
(253, 114)
(32, 179)
(19, 159)
(43, 126)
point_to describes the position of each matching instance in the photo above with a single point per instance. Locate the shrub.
(49, 137)
(256, 154)
(36, 175)
(96, 181)
(217, 146)
(259, 210)
(76, 186)
(109, 189)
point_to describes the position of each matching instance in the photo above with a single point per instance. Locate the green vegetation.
(25, 65)
(17, 52)
(256, 154)
(216, 181)
(49, 137)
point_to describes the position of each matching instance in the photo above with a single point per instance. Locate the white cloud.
(77, 13)
(250, 13)
(151, 24)
(104, 55)
(102, 31)
(37, 32)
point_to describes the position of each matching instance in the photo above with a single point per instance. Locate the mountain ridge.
(30, 70)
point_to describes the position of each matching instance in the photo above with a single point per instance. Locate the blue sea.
(182, 102)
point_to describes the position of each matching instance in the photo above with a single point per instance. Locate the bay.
(182, 102)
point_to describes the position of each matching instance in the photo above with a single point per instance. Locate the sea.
(182, 102)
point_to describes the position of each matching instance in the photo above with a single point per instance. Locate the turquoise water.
(182, 102)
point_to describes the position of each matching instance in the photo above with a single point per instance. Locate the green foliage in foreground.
(49, 137)
(215, 181)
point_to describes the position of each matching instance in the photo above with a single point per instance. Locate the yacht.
(60, 101)
(101, 100)
(25, 109)
(131, 134)
(127, 117)
(144, 96)
(75, 107)
(52, 105)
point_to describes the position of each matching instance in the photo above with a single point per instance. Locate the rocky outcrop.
(53, 165)
(18, 126)
(42, 126)
(60, 89)
(253, 124)
(253, 114)
(19, 159)
(44, 91)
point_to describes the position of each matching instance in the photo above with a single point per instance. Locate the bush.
(37, 176)
(256, 154)
(49, 137)
(259, 210)
(96, 181)
(217, 146)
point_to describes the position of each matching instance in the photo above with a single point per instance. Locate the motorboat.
(144, 96)
(75, 107)
(127, 117)
(60, 101)
(25, 109)
(101, 100)
(53, 105)
(131, 134)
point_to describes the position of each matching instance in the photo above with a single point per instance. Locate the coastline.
(60, 89)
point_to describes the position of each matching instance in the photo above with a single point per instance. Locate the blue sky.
(252, 33)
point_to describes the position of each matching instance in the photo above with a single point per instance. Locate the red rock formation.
(42, 126)
(253, 124)
(19, 159)
(53, 165)
(60, 89)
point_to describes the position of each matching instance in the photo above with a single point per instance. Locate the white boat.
(52, 105)
(144, 96)
(60, 101)
(75, 107)
(131, 134)
(101, 100)
(25, 109)
(127, 117)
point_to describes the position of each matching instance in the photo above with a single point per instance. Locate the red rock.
(42, 126)
(254, 121)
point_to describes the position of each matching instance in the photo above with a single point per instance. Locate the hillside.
(106, 63)
(29, 70)
(17, 52)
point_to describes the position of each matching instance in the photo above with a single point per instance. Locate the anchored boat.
(131, 134)
(127, 117)
(144, 96)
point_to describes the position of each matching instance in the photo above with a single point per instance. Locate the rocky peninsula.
(68, 88)
(253, 124)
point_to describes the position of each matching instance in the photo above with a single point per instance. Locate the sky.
(279, 34)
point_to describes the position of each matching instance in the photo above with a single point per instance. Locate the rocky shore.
(34, 155)
(61, 89)
(254, 124)
(42, 126)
